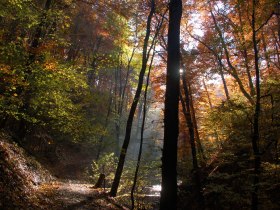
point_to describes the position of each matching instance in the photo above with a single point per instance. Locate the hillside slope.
(25, 184)
(20, 176)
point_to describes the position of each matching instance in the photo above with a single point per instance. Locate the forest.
(129, 104)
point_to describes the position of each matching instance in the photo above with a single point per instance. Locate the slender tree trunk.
(139, 118)
(224, 82)
(119, 103)
(245, 53)
(187, 114)
(142, 134)
(193, 117)
(207, 93)
(105, 124)
(92, 74)
(256, 134)
(186, 111)
(233, 70)
(265, 51)
(210, 106)
(119, 170)
(126, 79)
(168, 199)
(196, 133)
(248, 72)
(118, 98)
(137, 136)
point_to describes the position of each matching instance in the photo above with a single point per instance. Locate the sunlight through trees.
(140, 97)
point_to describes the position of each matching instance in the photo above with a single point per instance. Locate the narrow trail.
(75, 196)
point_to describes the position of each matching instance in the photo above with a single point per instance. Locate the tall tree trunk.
(245, 52)
(265, 51)
(105, 124)
(168, 199)
(142, 133)
(145, 57)
(248, 72)
(224, 82)
(139, 118)
(187, 114)
(196, 133)
(210, 106)
(120, 96)
(126, 79)
(256, 134)
(207, 93)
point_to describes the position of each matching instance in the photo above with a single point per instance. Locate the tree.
(186, 106)
(145, 58)
(256, 133)
(168, 199)
(142, 132)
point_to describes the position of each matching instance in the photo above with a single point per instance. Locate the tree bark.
(168, 199)
(105, 125)
(224, 82)
(207, 93)
(256, 134)
(266, 55)
(187, 114)
(119, 170)
(100, 181)
(142, 133)
(196, 133)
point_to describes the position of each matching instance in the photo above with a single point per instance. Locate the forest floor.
(25, 184)
(72, 195)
